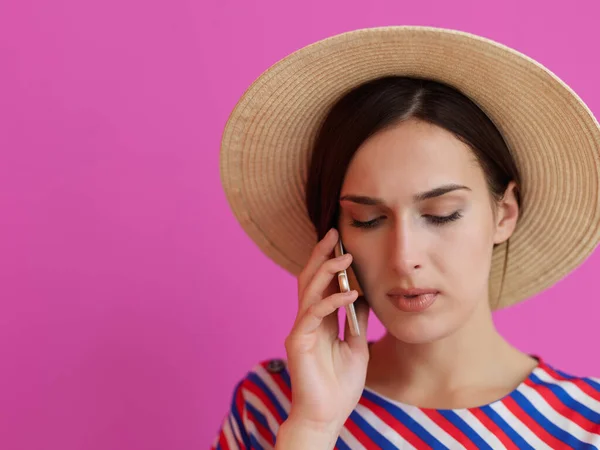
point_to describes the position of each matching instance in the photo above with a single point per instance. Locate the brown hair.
(384, 102)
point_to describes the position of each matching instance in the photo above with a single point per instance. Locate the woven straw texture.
(555, 138)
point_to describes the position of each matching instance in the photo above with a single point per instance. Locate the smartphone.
(344, 283)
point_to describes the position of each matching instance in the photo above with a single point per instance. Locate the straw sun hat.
(552, 134)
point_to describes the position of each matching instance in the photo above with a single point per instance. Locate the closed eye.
(434, 220)
(442, 220)
(370, 224)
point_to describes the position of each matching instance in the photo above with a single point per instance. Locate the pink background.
(121, 326)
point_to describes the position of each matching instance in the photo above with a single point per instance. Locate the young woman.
(426, 151)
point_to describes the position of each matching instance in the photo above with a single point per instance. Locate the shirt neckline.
(511, 395)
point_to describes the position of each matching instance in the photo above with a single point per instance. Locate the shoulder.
(266, 391)
(548, 374)
(266, 372)
(566, 391)
(260, 403)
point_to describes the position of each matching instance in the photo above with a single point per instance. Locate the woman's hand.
(327, 374)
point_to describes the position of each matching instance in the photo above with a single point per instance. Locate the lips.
(413, 300)
(411, 292)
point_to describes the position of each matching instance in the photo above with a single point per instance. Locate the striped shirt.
(549, 410)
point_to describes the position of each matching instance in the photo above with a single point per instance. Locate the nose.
(404, 250)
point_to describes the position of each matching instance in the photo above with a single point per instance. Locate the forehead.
(408, 157)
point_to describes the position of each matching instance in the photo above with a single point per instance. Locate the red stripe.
(360, 435)
(278, 379)
(535, 427)
(262, 396)
(568, 413)
(450, 428)
(239, 404)
(264, 432)
(494, 429)
(581, 384)
(393, 423)
(285, 390)
(223, 442)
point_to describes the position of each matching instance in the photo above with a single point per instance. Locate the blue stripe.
(402, 417)
(255, 444)
(236, 415)
(459, 423)
(341, 445)
(286, 377)
(374, 435)
(260, 418)
(547, 425)
(593, 383)
(233, 431)
(512, 434)
(562, 374)
(568, 401)
(263, 387)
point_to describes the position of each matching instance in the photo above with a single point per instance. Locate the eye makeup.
(432, 219)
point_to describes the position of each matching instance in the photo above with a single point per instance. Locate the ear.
(506, 214)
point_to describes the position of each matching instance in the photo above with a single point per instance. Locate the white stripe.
(555, 417)
(267, 378)
(262, 408)
(571, 389)
(347, 437)
(383, 428)
(264, 444)
(431, 427)
(250, 425)
(236, 429)
(228, 433)
(519, 427)
(350, 440)
(480, 429)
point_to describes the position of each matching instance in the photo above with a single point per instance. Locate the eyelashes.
(433, 220)
(441, 220)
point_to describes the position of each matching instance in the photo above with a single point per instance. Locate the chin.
(420, 328)
(417, 331)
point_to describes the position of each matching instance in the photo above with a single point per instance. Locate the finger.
(313, 317)
(320, 253)
(362, 315)
(323, 278)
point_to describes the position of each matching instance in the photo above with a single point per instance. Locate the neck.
(474, 357)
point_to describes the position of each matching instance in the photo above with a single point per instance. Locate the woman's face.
(416, 212)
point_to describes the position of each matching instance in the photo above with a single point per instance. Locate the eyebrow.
(436, 192)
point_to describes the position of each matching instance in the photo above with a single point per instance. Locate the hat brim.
(553, 135)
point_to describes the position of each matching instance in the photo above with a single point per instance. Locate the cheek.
(471, 241)
(467, 251)
(368, 264)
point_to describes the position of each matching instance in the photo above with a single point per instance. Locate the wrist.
(297, 433)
